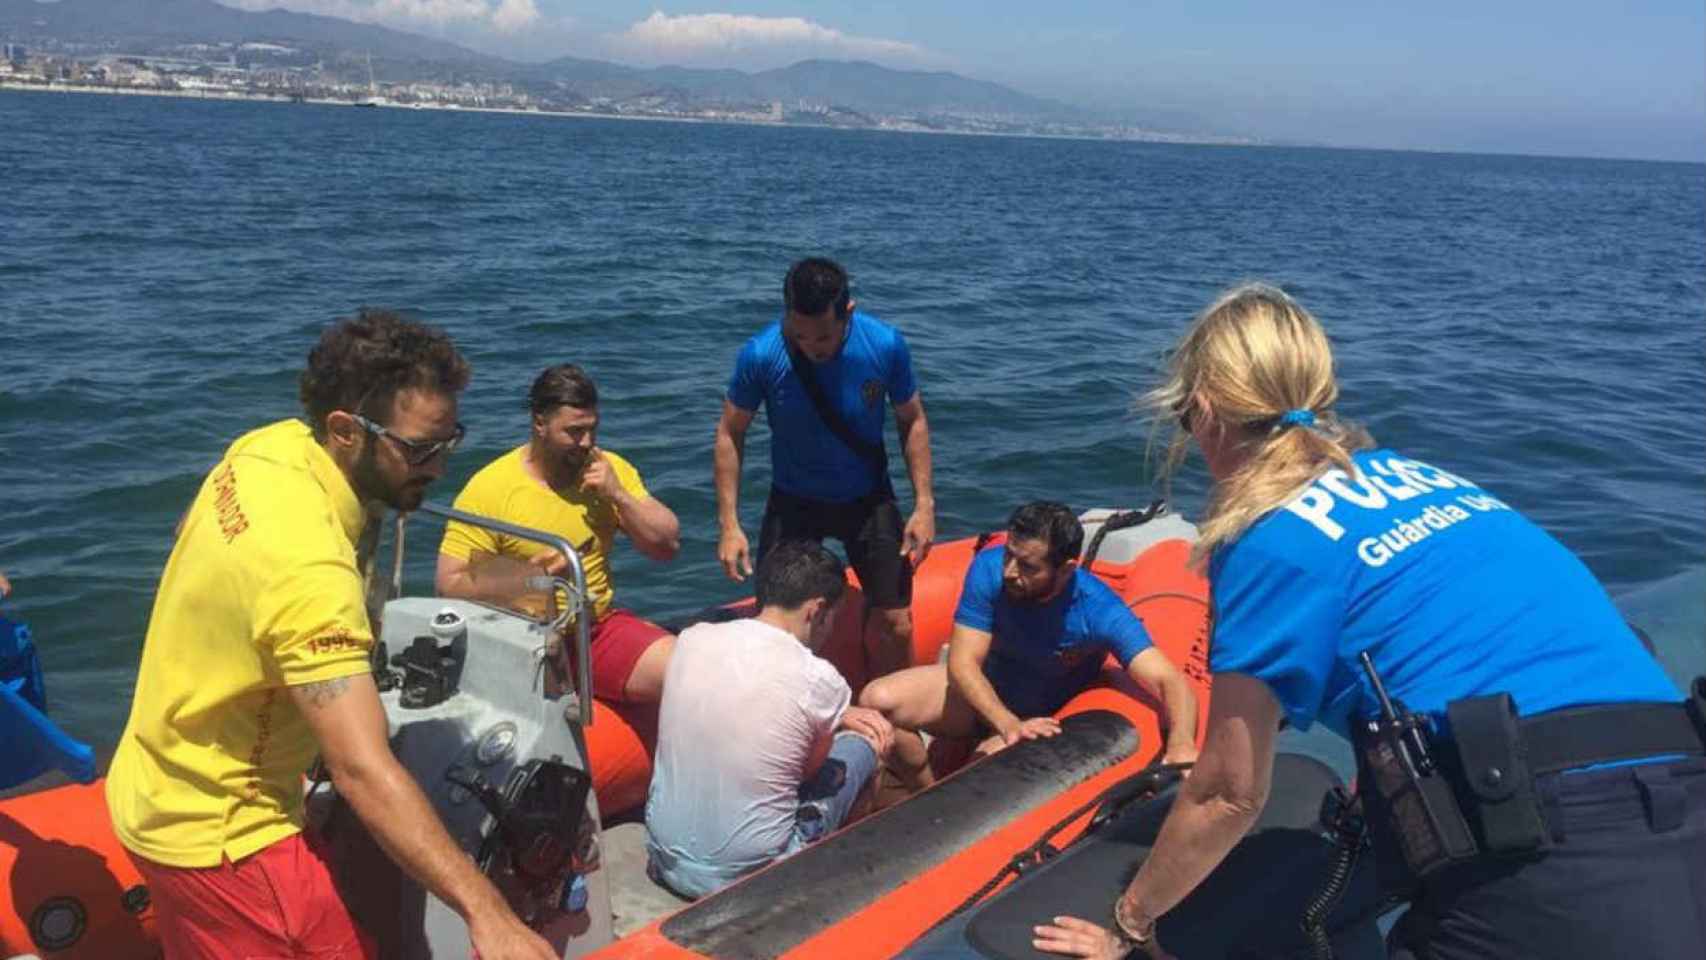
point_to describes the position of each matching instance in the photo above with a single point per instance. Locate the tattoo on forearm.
(325, 691)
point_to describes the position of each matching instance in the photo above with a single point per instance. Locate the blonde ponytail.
(1251, 358)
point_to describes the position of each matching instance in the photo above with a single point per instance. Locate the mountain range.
(160, 26)
(160, 22)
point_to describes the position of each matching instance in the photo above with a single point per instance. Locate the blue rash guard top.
(1042, 654)
(1452, 593)
(806, 459)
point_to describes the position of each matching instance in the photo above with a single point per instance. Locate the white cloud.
(506, 16)
(512, 15)
(729, 39)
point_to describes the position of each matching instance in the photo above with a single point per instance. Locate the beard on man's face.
(409, 495)
(1037, 591)
(371, 484)
(567, 457)
(574, 458)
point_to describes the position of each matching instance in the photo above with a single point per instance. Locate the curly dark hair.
(362, 362)
(1053, 523)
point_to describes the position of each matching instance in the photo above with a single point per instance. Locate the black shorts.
(869, 529)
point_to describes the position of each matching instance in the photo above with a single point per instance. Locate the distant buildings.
(279, 71)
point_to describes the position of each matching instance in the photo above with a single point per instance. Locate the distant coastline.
(63, 86)
(60, 86)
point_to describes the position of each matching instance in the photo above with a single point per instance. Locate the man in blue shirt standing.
(821, 374)
(1031, 632)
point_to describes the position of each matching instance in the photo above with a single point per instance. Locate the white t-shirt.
(743, 705)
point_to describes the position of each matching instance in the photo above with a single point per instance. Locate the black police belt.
(1475, 794)
(1583, 736)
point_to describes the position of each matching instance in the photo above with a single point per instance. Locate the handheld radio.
(1426, 818)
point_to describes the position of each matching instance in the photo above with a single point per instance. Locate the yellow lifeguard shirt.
(504, 490)
(261, 592)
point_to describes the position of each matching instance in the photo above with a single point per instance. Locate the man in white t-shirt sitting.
(759, 752)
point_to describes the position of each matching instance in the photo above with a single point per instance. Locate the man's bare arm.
(967, 649)
(650, 524)
(454, 578)
(729, 453)
(652, 527)
(348, 720)
(494, 580)
(1157, 674)
(322, 693)
(914, 431)
(733, 551)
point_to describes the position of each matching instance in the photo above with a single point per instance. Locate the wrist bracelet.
(1137, 939)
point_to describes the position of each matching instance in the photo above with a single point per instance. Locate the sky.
(1564, 77)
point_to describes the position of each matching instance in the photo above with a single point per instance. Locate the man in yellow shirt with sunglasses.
(256, 659)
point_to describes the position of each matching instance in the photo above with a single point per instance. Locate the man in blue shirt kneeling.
(1031, 631)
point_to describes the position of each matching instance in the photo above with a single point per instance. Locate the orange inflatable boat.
(879, 884)
(68, 890)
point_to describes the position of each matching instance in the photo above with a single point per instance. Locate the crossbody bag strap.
(872, 453)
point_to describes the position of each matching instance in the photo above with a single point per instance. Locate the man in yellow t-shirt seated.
(256, 659)
(560, 481)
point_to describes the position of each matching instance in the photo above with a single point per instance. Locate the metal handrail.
(576, 584)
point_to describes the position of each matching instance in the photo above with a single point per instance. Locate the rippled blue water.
(1535, 324)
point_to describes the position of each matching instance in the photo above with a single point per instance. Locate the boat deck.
(634, 899)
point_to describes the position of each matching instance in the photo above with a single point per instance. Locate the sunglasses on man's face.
(415, 452)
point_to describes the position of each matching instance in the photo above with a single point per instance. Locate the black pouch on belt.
(1496, 784)
(1697, 706)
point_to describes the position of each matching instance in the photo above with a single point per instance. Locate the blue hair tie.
(1297, 418)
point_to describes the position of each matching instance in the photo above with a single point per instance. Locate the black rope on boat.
(1106, 805)
(1120, 521)
(1168, 595)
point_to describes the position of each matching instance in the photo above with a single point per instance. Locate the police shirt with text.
(1451, 591)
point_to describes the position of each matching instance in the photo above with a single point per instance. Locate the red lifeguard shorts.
(618, 642)
(276, 904)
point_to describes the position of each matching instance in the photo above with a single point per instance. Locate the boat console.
(487, 713)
